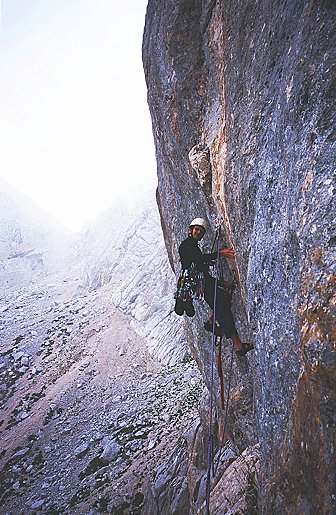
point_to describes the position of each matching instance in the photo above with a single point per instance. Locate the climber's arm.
(227, 253)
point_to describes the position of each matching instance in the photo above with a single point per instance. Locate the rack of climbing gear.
(190, 284)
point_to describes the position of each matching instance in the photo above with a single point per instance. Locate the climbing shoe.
(179, 307)
(189, 308)
(245, 349)
(218, 330)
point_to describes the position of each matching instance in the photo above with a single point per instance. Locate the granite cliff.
(242, 97)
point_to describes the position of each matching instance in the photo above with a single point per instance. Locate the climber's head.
(197, 228)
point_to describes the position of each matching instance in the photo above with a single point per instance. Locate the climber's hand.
(227, 253)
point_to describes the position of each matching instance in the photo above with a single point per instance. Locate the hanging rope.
(164, 318)
(210, 436)
(211, 471)
(220, 372)
(226, 412)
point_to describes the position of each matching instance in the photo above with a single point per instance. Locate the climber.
(195, 279)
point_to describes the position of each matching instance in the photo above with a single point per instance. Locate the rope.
(210, 436)
(220, 373)
(226, 411)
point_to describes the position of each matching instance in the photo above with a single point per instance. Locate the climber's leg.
(224, 315)
(223, 310)
(236, 341)
(208, 326)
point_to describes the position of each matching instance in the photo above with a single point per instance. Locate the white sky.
(74, 123)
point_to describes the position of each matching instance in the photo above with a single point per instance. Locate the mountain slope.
(87, 408)
(124, 248)
(32, 243)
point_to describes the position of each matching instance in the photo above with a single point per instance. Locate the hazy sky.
(74, 122)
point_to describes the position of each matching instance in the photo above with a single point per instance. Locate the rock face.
(124, 249)
(242, 99)
(87, 409)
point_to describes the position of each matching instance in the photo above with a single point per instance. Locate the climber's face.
(197, 232)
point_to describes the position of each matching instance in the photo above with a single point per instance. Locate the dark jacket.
(191, 253)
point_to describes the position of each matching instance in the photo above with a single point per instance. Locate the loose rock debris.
(86, 413)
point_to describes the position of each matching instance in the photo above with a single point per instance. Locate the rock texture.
(87, 409)
(86, 412)
(242, 99)
(124, 249)
(237, 490)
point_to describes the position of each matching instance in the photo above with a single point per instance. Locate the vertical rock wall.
(242, 99)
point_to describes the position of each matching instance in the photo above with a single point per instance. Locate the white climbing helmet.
(199, 221)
